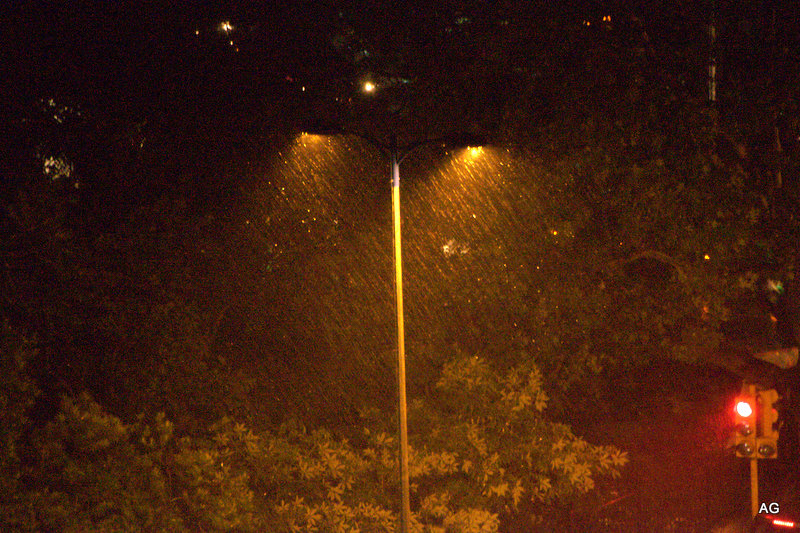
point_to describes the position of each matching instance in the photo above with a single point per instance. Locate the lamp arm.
(405, 151)
(382, 148)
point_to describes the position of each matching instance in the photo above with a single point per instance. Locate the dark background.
(172, 224)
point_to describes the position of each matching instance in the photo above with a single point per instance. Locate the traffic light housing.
(745, 413)
(756, 423)
(768, 425)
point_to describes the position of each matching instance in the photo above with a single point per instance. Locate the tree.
(18, 393)
(89, 471)
(95, 473)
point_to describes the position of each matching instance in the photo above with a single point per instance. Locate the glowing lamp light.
(306, 137)
(475, 151)
(226, 26)
(369, 87)
(744, 409)
(782, 523)
(747, 442)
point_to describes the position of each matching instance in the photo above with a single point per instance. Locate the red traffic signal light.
(744, 409)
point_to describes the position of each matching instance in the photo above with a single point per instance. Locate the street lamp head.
(469, 140)
(320, 127)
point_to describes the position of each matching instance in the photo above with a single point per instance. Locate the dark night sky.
(111, 49)
(138, 60)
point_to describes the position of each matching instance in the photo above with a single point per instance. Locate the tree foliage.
(18, 394)
(89, 471)
(95, 473)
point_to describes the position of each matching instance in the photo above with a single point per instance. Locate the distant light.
(475, 151)
(369, 87)
(706, 257)
(226, 26)
(231, 42)
(197, 32)
(303, 89)
(554, 232)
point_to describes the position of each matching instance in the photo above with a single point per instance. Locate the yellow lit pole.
(396, 156)
(402, 408)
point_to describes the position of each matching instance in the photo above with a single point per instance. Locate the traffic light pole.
(756, 432)
(753, 486)
(751, 387)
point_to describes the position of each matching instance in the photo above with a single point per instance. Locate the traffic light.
(744, 409)
(756, 417)
(768, 425)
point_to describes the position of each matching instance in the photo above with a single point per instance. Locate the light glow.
(782, 523)
(369, 87)
(307, 139)
(226, 26)
(473, 155)
(744, 409)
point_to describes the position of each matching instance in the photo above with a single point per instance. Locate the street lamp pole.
(396, 156)
(402, 408)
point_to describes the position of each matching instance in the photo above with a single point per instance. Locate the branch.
(655, 255)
